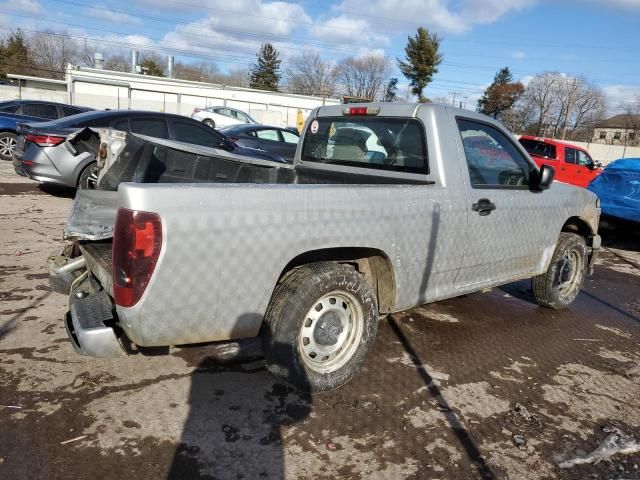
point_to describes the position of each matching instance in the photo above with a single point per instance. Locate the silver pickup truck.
(386, 206)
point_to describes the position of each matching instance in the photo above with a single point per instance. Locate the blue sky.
(597, 40)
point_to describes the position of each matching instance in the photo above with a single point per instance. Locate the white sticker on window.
(314, 127)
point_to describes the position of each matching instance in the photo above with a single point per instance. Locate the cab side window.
(268, 134)
(152, 127)
(570, 155)
(492, 158)
(40, 110)
(584, 159)
(189, 133)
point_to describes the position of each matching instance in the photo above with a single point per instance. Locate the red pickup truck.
(572, 164)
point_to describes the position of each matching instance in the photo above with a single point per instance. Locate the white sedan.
(216, 117)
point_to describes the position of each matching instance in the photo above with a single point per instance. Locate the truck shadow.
(237, 414)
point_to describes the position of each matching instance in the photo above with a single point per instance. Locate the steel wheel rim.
(7, 146)
(568, 276)
(331, 332)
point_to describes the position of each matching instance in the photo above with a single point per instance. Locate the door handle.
(484, 207)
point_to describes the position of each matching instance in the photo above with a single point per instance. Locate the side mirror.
(594, 165)
(545, 177)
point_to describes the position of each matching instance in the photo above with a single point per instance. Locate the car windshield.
(538, 148)
(395, 144)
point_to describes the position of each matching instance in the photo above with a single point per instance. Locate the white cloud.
(440, 15)
(25, 6)
(619, 96)
(103, 13)
(348, 31)
(519, 55)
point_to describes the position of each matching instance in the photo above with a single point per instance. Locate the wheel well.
(579, 226)
(8, 130)
(372, 263)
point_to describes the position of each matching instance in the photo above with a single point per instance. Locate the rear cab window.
(539, 149)
(381, 143)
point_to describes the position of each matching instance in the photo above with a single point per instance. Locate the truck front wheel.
(559, 286)
(320, 324)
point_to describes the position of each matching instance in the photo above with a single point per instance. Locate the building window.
(616, 135)
(603, 135)
(631, 136)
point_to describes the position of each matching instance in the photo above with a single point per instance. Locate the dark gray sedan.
(280, 141)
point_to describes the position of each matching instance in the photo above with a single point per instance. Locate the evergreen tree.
(391, 90)
(422, 58)
(265, 73)
(501, 95)
(152, 66)
(15, 56)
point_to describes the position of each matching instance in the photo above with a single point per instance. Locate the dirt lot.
(484, 386)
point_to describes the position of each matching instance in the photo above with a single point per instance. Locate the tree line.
(551, 104)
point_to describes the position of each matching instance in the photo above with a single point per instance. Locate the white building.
(104, 89)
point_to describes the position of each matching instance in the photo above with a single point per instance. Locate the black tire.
(7, 145)
(559, 286)
(287, 323)
(85, 180)
(209, 123)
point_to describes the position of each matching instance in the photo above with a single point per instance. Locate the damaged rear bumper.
(91, 326)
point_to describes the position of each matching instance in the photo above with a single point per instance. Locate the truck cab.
(572, 164)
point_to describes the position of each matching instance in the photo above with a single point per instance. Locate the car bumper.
(35, 164)
(89, 325)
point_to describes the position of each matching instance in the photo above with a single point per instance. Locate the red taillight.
(137, 240)
(234, 139)
(360, 111)
(44, 140)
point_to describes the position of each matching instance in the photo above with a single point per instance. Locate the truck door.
(507, 229)
(587, 166)
(573, 172)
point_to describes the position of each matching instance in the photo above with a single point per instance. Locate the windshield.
(538, 148)
(395, 144)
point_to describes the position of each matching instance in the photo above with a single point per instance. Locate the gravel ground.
(484, 386)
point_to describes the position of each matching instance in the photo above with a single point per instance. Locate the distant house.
(619, 130)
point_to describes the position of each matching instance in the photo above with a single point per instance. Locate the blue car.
(19, 111)
(618, 187)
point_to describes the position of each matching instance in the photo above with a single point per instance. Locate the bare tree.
(86, 54)
(558, 105)
(238, 77)
(538, 100)
(309, 74)
(52, 52)
(117, 63)
(363, 77)
(199, 72)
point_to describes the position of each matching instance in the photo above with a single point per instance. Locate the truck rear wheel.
(559, 286)
(321, 323)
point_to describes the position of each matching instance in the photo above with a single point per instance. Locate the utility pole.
(453, 102)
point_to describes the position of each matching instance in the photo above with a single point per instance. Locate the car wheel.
(88, 179)
(559, 286)
(209, 123)
(7, 145)
(320, 324)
